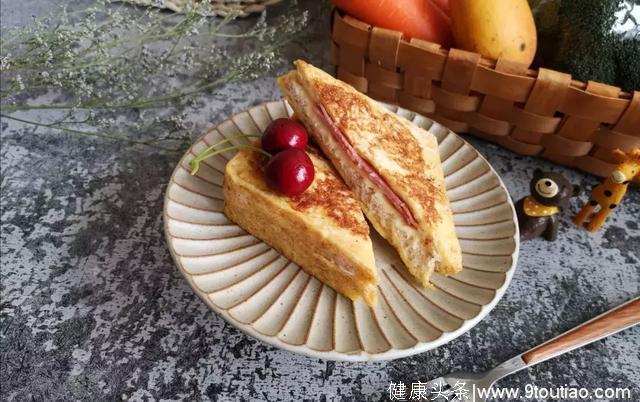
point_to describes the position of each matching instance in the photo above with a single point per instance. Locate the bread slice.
(322, 230)
(392, 166)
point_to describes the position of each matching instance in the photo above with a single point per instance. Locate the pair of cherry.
(289, 171)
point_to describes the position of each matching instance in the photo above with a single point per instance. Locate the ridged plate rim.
(392, 353)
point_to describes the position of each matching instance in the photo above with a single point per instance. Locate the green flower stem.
(144, 103)
(138, 40)
(168, 34)
(107, 61)
(140, 104)
(118, 137)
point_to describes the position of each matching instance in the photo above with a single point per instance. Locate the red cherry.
(284, 133)
(290, 172)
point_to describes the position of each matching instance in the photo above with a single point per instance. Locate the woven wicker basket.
(542, 112)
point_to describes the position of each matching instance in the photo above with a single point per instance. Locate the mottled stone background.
(94, 309)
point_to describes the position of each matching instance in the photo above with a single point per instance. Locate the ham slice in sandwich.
(392, 166)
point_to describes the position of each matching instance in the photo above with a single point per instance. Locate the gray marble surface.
(94, 309)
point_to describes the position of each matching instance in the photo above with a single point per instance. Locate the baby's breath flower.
(5, 61)
(19, 82)
(106, 61)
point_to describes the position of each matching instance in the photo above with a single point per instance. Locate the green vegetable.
(627, 59)
(577, 37)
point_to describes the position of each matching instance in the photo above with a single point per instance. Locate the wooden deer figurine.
(609, 194)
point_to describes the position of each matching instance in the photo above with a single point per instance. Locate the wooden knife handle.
(621, 317)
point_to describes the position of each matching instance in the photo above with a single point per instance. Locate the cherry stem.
(195, 163)
(228, 139)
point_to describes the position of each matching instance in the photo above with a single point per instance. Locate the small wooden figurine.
(609, 194)
(550, 192)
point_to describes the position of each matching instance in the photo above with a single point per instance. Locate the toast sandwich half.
(322, 230)
(392, 166)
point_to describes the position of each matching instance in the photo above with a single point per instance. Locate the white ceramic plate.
(267, 296)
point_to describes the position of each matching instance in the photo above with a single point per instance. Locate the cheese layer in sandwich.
(322, 230)
(392, 166)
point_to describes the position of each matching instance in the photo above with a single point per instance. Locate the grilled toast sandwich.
(322, 230)
(392, 166)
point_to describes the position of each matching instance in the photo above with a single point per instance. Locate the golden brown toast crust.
(366, 127)
(328, 193)
(403, 154)
(322, 230)
(353, 114)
